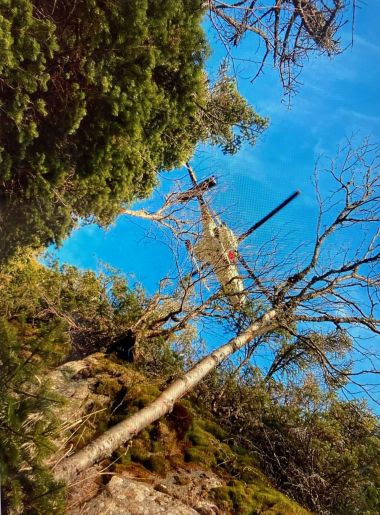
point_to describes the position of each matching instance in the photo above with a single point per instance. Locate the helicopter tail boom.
(198, 190)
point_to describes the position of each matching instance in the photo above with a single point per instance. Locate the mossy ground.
(186, 436)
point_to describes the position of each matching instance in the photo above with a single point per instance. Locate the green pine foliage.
(31, 344)
(27, 422)
(46, 315)
(95, 98)
(226, 120)
(95, 308)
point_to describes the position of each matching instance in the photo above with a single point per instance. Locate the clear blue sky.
(338, 97)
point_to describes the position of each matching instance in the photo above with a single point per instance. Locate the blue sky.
(338, 97)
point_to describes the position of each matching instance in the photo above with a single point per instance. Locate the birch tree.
(324, 295)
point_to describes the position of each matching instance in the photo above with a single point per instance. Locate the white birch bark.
(108, 442)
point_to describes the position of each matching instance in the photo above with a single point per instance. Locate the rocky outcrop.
(127, 496)
(88, 388)
(182, 492)
(137, 491)
(181, 464)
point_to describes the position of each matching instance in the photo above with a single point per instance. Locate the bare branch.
(290, 30)
(301, 318)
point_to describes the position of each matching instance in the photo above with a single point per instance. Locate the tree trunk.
(108, 442)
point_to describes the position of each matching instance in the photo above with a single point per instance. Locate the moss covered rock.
(187, 439)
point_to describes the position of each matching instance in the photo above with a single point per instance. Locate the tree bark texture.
(110, 440)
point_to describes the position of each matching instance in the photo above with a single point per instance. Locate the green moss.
(143, 401)
(213, 428)
(145, 434)
(139, 452)
(202, 455)
(245, 467)
(269, 501)
(186, 434)
(157, 463)
(107, 385)
(127, 390)
(203, 449)
(221, 494)
(197, 436)
(122, 456)
(156, 446)
(141, 394)
(239, 497)
(250, 494)
(251, 499)
(206, 448)
(103, 364)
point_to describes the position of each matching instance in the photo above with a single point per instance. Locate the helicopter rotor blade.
(268, 216)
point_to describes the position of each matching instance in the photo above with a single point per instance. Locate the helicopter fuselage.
(218, 247)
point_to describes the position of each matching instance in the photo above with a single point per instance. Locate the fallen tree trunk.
(110, 440)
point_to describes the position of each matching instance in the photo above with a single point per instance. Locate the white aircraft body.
(217, 246)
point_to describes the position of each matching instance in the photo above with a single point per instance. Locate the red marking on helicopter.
(231, 254)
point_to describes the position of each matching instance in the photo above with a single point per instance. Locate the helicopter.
(218, 245)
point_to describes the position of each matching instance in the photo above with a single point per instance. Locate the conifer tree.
(46, 315)
(95, 98)
(27, 422)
